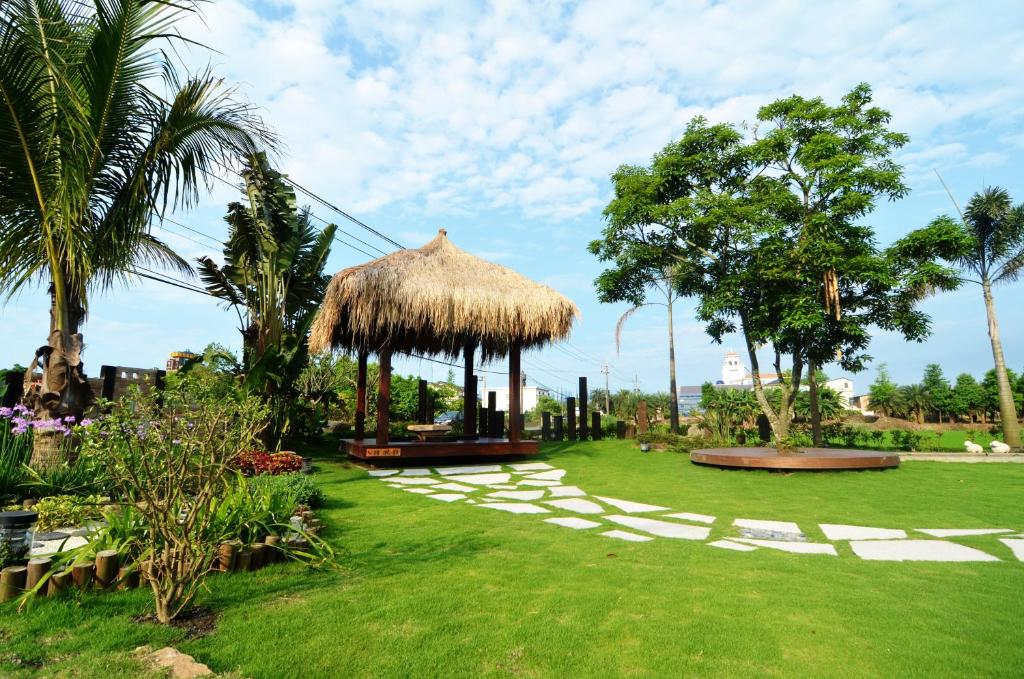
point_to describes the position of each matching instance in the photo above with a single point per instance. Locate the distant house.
(530, 395)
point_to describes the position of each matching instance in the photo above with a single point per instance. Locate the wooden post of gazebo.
(360, 432)
(469, 407)
(383, 397)
(515, 387)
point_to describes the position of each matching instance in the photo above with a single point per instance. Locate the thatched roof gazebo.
(438, 300)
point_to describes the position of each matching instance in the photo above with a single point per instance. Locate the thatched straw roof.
(433, 300)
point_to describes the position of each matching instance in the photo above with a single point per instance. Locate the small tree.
(884, 394)
(170, 459)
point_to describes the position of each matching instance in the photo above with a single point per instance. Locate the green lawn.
(433, 589)
(932, 440)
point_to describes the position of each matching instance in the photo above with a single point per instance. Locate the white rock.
(999, 448)
(794, 547)
(917, 550)
(625, 535)
(54, 546)
(516, 507)
(472, 469)
(502, 486)
(565, 491)
(538, 482)
(457, 487)
(550, 475)
(631, 507)
(529, 466)
(412, 480)
(447, 497)
(577, 505)
(471, 502)
(415, 472)
(838, 531)
(384, 472)
(779, 526)
(735, 546)
(973, 447)
(481, 479)
(961, 532)
(421, 491)
(1016, 545)
(518, 494)
(663, 529)
(689, 516)
(573, 522)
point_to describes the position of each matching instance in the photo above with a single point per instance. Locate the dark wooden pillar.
(492, 408)
(570, 418)
(360, 432)
(583, 408)
(383, 397)
(515, 391)
(109, 375)
(499, 424)
(469, 406)
(421, 406)
(545, 426)
(595, 426)
(620, 429)
(483, 420)
(559, 432)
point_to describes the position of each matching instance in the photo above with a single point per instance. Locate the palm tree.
(273, 278)
(915, 401)
(90, 154)
(992, 232)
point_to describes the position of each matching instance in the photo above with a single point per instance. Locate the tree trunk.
(1007, 408)
(63, 390)
(812, 382)
(673, 391)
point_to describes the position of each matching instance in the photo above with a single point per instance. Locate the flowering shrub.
(256, 462)
(22, 421)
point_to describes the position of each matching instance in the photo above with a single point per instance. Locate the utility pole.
(607, 394)
(636, 383)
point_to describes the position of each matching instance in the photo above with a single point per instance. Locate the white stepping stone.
(631, 507)
(625, 535)
(573, 522)
(1016, 545)
(457, 487)
(663, 529)
(538, 482)
(689, 516)
(565, 491)
(577, 505)
(516, 507)
(780, 526)
(472, 469)
(518, 494)
(794, 547)
(550, 475)
(470, 502)
(421, 491)
(838, 531)
(412, 480)
(447, 497)
(502, 486)
(481, 479)
(735, 546)
(415, 472)
(961, 532)
(917, 550)
(530, 466)
(384, 472)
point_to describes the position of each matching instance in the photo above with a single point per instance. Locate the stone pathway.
(539, 488)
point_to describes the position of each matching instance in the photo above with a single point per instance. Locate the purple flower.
(6, 412)
(176, 442)
(86, 422)
(69, 419)
(19, 408)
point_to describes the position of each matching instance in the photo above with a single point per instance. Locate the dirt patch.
(196, 622)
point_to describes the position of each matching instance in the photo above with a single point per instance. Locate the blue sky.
(502, 122)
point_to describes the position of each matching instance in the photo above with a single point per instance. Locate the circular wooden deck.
(810, 459)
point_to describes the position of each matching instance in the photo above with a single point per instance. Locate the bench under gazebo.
(438, 300)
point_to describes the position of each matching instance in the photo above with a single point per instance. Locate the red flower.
(255, 462)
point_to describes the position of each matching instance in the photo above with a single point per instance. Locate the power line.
(335, 208)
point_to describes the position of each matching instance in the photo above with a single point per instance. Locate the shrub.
(68, 510)
(256, 462)
(300, 486)
(171, 459)
(15, 452)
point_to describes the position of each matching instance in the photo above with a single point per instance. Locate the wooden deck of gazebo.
(438, 300)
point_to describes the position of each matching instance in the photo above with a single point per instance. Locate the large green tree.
(99, 134)
(991, 232)
(273, 277)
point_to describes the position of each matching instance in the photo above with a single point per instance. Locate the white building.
(734, 372)
(529, 396)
